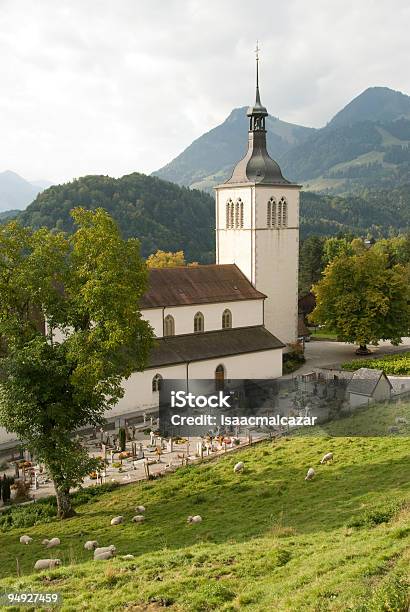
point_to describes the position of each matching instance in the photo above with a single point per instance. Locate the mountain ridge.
(366, 143)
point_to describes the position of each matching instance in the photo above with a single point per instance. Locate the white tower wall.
(268, 256)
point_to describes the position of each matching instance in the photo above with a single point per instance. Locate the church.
(232, 319)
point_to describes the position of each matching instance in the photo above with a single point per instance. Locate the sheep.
(401, 421)
(194, 519)
(139, 518)
(51, 543)
(310, 474)
(104, 556)
(90, 544)
(326, 458)
(140, 509)
(104, 549)
(117, 520)
(25, 539)
(127, 557)
(239, 467)
(43, 564)
(393, 430)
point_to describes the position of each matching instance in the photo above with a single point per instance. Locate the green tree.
(335, 247)
(166, 259)
(363, 299)
(59, 377)
(310, 263)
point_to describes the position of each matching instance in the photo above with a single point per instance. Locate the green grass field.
(322, 333)
(269, 540)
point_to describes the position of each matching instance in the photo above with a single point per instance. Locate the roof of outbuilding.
(173, 350)
(365, 380)
(182, 286)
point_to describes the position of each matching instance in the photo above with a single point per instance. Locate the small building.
(368, 385)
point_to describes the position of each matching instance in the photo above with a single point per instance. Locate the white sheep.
(104, 556)
(117, 520)
(43, 564)
(310, 474)
(90, 544)
(127, 557)
(140, 509)
(239, 467)
(194, 519)
(139, 518)
(401, 421)
(104, 549)
(51, 543)
(326, 458)
(25, 539)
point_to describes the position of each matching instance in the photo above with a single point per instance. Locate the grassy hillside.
(269, 540)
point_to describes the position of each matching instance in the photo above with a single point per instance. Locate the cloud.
(111, 88)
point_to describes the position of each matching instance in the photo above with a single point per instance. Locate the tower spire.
(258, 100)
(257, 113)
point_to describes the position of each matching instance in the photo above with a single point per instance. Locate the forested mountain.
(162, 215)
(172, 218)
(210, 158)
(365, 145)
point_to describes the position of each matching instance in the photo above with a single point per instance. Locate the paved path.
(320, 353)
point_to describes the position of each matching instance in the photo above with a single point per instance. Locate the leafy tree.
(58, 377)
(363, 299)
(163, 259)
(310, 263)
(334, 247)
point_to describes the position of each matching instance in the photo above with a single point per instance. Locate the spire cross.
(257, 50)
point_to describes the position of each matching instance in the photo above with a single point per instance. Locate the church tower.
(257, 226)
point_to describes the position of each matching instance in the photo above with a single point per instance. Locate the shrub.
(392, 364)
(374, 516)
(122, 438)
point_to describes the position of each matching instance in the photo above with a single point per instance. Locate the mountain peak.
(373, 104)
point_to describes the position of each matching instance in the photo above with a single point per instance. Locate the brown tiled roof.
(187, 285)
(221, 343)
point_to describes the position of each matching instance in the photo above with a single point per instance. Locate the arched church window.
(284, 206)
(226, 319)
(229, 214)
(237, 214)
(169, 326)
(156, 383)
(240, 212)
(279, 214)
(271, 213)
(219, 377)
(199, 322)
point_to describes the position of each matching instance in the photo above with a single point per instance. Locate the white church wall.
(244, 314)
(234, 245)
(138, 394)
(262, 364)
(276, 263)
(154, 318)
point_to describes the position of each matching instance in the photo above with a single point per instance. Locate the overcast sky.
(116, 86)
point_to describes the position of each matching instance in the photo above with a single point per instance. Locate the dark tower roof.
(257, 166)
